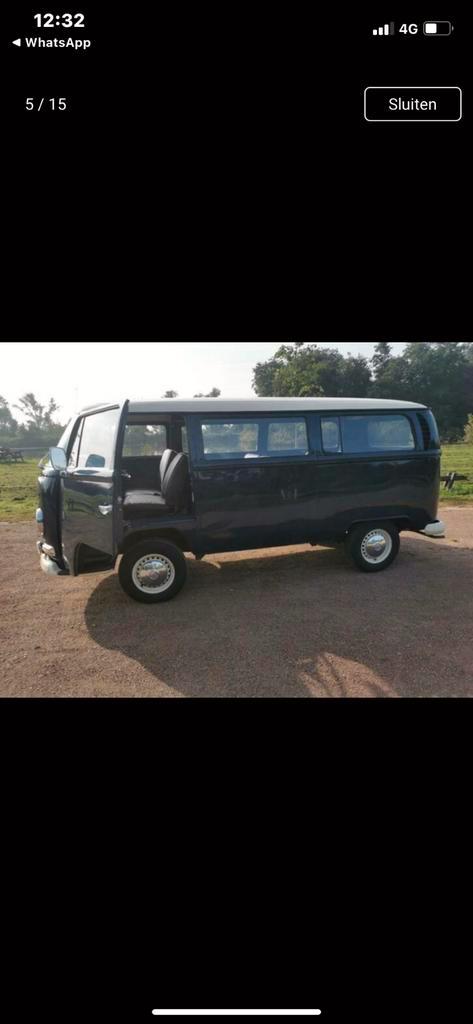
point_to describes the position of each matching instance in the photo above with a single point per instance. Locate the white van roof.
(255, 405)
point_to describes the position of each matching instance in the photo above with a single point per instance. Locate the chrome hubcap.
(376, 546)
(153, 574)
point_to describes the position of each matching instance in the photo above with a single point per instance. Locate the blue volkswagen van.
(149, 481)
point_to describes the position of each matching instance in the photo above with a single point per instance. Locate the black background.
(194, 852)
(215, 178)
(215, 171)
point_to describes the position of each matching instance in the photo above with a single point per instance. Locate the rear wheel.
(153, 571)
(373, 547)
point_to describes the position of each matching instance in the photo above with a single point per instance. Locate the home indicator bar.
(237, 1013)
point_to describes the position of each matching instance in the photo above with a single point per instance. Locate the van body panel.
(240, 508)
(246, 506)
(357, 490)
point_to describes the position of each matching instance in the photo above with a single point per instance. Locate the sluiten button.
(413, 103)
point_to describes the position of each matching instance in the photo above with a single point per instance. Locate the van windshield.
(62, 443)
(64, 439)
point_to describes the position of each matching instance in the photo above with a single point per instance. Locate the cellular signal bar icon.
(384, 30)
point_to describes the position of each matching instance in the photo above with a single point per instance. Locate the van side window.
(143, 440)
(226, 440)
(184, 441)
(287, 437)
(97, 447)
(377, 434)
(331, 438)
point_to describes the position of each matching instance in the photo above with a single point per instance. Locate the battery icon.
(437, 28)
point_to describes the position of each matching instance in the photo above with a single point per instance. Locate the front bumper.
(48, 565)
(51, 568)
(45, 549)
(437, 529)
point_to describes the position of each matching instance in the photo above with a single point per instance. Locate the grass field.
(18, 491)
(458, 458)
(19, 499)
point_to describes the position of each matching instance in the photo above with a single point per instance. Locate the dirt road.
(295, 622)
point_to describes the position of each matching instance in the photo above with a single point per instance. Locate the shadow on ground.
(303, 624)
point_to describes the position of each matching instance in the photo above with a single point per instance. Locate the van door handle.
(105, 509)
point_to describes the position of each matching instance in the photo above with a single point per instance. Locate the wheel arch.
(402, 522)
(173, 536)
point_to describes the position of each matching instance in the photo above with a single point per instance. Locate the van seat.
(144, 503)
(174, 497)
(166, 459)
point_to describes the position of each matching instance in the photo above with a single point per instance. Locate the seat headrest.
(176, 481)
(166, 459)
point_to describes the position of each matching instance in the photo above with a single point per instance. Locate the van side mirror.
(58, 458)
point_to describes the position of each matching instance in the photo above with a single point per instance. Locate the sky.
(80, 373)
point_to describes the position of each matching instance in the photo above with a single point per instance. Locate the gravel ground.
(291, 622)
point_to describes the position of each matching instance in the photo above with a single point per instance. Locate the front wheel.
(153, 571)
(373, 547)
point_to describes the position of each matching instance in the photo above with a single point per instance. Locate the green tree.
(294, 370)
(170, 394)
(437, 374)
(8, 425)
(37, 416)
(264, 375)
(356, 377)
(440, 376)
(214, 393)
(390, 374)
(304, 370)
(391, 380)
(469, 430)
(381, 358)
